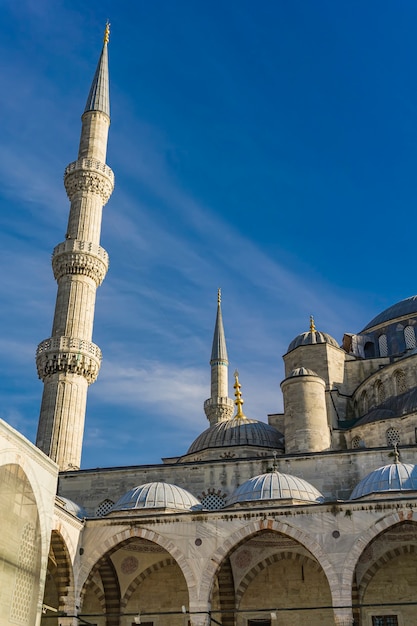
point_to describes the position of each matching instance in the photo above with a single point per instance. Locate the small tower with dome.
(319, 352)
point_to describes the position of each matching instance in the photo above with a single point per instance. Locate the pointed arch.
(59, 569)
(121, 538)
(362, 542)
(382, 560)
(243, 534)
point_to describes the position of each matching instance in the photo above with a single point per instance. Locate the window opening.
(104, 508)
(384, 620)
(393, 436)
(383, 345)
(409, 337)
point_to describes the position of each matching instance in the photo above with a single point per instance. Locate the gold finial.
(238, 396)
(396, 453)
(312, 325)
(274, 464)
(219, 296)
(107, 33)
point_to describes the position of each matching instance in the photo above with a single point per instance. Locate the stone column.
(343, 617)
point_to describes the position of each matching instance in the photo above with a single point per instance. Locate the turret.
(219, 406)
(68, 362)
(306, 427)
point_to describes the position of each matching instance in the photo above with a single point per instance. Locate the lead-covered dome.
(238, 431)
(72, 507)
(407, 307)
(302, 371)
(275, 486)
(389, 478)
(310, 338)
(157, 495)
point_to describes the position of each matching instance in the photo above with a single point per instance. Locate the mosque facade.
(306, 518)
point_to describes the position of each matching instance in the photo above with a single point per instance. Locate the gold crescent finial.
(312, 325)
(219, 296)
(396, 453)
(238, 396)
(107, 33)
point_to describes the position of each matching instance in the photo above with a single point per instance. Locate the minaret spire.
(219, 406)
(68, 362)
(99, 97)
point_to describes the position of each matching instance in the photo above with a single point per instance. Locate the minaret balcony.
(68, 355)
(219, 409)
(80, 258)
(89, 175)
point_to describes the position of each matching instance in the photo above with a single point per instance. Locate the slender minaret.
(68, 362)
(219, 407)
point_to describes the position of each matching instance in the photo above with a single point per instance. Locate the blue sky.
(266, 148)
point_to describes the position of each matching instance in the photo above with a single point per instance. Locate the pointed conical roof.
(218, 350)
(99, 98)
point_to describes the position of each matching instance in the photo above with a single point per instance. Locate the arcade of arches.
(266, 577)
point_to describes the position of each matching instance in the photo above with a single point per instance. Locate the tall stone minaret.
(219, 407)
(68, 362)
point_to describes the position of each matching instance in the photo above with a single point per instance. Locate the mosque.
(307, 517)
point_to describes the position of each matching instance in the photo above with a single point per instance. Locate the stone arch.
(99, 594)
(387, 556)
(111, 590)
(362, 542)
(253, 528)
(139, 579)
(116, 541)
(251, 575)
(60, 570)
(20, 546)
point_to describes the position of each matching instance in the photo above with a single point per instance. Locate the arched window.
(369, 350)
(380, 394)
(409, 337)
(356, 442)
(393, 436)
(383, 345)
(364, 403)
(400, 385)
(213, 500)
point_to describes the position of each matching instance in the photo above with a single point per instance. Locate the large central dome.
(239, 431)
(400, 309)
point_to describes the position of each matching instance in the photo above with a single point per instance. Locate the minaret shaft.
(68, 362)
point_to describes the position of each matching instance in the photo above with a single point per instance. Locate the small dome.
(302, 371)
(238, 432)
(275, 486)
(73, 508)
(312, 337)
(157, 495)
(392, 477)
(400, 309)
